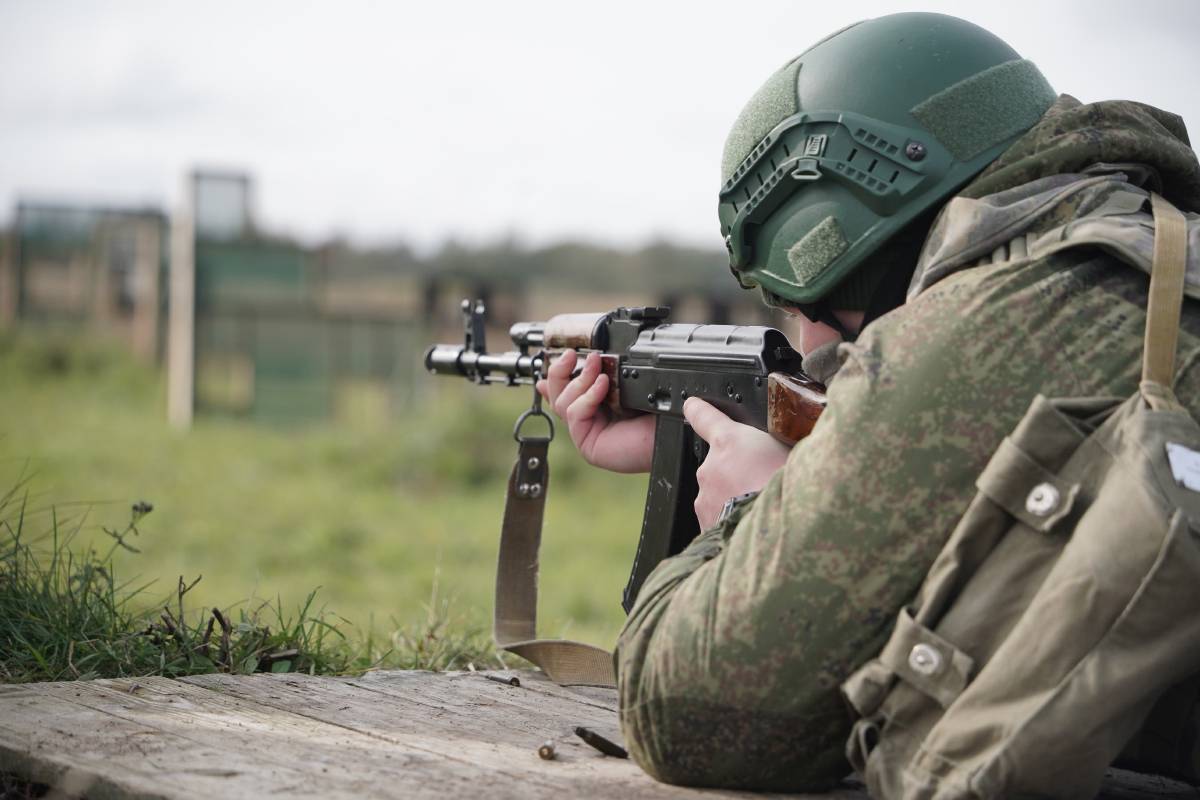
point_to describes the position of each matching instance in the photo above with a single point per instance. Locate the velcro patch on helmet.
(983, 110)
(816, 250)
(775, 101)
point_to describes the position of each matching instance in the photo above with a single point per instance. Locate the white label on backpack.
(1185, 465)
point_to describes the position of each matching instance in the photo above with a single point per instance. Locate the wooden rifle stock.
(793, 406)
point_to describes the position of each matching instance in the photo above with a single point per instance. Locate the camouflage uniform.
(730, 662)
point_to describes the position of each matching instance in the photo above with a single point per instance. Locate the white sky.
(422, 121)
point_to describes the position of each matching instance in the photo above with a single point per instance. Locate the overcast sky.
(422, 121)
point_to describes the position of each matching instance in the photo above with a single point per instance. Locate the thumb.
(706, 419)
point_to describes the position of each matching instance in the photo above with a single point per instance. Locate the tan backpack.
(1065, 602)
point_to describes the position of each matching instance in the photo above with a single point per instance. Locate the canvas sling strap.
(1166, 292)
(514, 625)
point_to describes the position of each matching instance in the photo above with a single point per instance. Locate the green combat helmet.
(857, 137)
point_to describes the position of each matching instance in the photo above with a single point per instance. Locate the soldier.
(956, 239)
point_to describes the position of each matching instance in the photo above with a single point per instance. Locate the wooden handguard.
(793, 406)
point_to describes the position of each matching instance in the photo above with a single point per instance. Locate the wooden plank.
(590, 705)
(590, 695)
(446, 731)
(465, 716)
(473, 724)
(387, 734)
(187, 731)
(60, 743)
(1123, 785)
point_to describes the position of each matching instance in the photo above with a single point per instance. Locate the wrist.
(734, 508)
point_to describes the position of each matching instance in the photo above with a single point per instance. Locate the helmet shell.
(853, 139)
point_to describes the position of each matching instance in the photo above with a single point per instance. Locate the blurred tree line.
(658, 268)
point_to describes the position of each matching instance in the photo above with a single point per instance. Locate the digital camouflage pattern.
(730, 662)
(1096, 202)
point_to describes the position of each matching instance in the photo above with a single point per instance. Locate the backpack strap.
(514, 624)
(1166, 292)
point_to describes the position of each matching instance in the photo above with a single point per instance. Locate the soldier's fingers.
(584, 407)
(561, 367)
(708, 422)
(582, 382)
(542, 388)
(559, 374)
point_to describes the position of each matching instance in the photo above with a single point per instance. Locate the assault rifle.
(749, 372)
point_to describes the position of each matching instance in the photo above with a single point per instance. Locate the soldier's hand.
(625, 445)
(740, 458)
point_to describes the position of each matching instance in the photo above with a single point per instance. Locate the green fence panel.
(250, 273)
(291, 371)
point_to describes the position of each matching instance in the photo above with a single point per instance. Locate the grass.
(397, 526)
(66, 615)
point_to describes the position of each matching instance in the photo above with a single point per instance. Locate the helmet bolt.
(915, 151)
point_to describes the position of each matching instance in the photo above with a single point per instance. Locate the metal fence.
(268, 347)
(284, 365)
(88, 266)
(272, 330)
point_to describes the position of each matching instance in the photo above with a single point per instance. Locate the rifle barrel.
(511, 367)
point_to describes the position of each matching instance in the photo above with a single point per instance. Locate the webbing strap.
(515, 622)
(1166, 292)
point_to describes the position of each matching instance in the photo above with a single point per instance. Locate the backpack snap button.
(924, 659)
(1042, 499)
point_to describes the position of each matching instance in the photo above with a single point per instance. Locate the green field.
(375, 517)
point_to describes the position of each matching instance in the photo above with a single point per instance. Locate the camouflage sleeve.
(730, 660)
(729, 665)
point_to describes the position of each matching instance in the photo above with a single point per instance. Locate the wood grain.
(385, 734)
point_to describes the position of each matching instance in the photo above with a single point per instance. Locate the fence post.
(9, 277)
(181, 313)
(147, 253)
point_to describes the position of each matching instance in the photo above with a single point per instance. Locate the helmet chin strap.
(889, 294)
(821, 312)
(901, 255)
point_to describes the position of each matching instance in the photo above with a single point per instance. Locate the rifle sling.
(515, 622)
(1166, 292)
